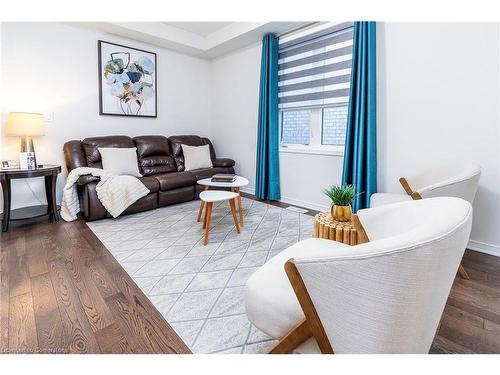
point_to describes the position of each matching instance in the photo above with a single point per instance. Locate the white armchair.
(452, 180)
(383, 296)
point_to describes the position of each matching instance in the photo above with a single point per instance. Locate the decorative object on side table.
(127, 81)
(342, 197)
(49, 172)
(26, 125)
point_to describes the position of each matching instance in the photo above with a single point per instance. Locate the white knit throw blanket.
(116, 193)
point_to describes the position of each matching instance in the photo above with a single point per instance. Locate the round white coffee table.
(211, 197)
(234, 186)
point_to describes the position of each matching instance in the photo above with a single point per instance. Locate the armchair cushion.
(381, 199)
(223, 163)
(270, 300)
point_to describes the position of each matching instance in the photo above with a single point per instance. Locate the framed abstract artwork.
(127, 81)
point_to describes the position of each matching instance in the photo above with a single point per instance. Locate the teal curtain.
(360, 155)
(267, 185)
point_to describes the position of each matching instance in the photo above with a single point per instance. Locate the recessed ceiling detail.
(200, 28)
(203, 39)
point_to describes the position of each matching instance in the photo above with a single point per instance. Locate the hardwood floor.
(61, 291)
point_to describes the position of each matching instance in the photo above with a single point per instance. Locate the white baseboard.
(305, 204)
(292, 201)
(484, 247)
(248, 189)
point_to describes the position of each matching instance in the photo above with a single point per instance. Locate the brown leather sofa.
(161, 163)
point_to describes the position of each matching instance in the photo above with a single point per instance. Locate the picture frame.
(27, 160)
(127, 81)
(10, 164)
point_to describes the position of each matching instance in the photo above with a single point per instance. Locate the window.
(313, 83)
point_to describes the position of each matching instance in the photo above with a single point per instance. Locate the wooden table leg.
(50, 193)
(208, 216)
(240, 205)
(463, 273)
(6, 203)
(233, 211)
(202, 204)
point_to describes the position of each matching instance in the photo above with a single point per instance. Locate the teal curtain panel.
(267, 181)
(360, 155)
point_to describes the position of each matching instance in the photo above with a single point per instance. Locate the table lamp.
(26, 125)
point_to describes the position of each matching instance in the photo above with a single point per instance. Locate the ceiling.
(207, 40)
(200, 28)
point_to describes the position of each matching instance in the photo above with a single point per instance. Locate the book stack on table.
(224, 177)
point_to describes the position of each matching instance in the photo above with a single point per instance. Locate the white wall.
(438, 101)
(235, 97)
(235, 92)
(52, 68)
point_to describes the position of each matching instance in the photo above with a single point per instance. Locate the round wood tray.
(341, 231)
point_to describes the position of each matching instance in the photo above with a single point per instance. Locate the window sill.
(291, 150)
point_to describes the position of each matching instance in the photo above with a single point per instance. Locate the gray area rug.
(200, 289)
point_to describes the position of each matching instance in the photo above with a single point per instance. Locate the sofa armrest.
(85, 179)
(224, 163)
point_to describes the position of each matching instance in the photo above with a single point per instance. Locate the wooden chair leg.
(233, 211)
(463, 273)
(308, 308)
(202, 204)
(208, 217)
(293, 339)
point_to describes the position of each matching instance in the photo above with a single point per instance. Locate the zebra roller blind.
(314, 67)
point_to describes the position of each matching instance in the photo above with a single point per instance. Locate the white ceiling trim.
(222, 41)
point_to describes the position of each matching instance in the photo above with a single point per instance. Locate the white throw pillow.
(120, 161)
(196, 157)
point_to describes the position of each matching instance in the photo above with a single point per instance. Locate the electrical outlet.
(49, 117)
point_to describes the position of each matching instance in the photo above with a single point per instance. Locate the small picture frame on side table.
(27, 160)
(10, 164)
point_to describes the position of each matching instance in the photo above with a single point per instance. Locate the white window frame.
(315, 147)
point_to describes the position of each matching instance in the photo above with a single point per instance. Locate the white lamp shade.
(25, 124)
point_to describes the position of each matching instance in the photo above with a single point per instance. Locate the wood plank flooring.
(61, 291)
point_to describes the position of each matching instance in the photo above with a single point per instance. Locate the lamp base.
(28, 156)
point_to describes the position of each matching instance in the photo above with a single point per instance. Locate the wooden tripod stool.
(209, 197)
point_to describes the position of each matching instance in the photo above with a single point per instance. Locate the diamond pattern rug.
(200, 289)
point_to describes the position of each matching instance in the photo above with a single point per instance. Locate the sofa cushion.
(169, 181)
(151, 183)
(91, 145)
(190, 140)
(154, 154)
(223, 162)
(202, 173)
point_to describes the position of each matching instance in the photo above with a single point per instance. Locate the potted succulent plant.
(342, 197)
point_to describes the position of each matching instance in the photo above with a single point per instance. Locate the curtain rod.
(297, 29)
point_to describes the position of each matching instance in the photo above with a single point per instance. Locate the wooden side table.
(50, 173)
(341, 231)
